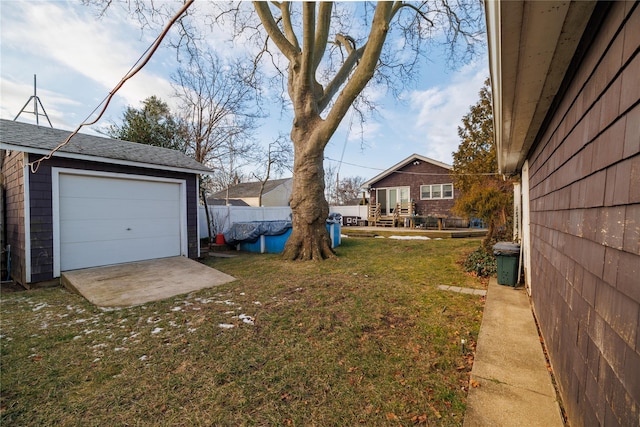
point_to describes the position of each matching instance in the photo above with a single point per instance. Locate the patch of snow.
(119, 349)
(192, 329)
(108, 309)
(97, 359)
(225, 325)
(176, 309)
(40, 306)
(143, 357)
(172, 323)
(97, 346)
(378, 237)
(156, 331)
(247, 319)
(344, 236)
(257, 303)
(77, 337)
(410, 237)
(242, 293)
(226, 302)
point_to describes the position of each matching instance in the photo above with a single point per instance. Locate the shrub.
(482, 262)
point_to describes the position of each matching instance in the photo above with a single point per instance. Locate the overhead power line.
(139, 64)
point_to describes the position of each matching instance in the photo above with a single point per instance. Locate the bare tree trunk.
(203, 194)
(309, 238)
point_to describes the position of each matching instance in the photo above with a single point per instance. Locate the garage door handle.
(128, 229)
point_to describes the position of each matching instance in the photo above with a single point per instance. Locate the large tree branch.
(285, 10)
(322, 32)
(364, 71)
(270, 26)
(308, 38)
(341, 76)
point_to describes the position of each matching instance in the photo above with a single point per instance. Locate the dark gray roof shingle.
(32, 137)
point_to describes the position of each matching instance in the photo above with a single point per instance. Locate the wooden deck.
(452, 233)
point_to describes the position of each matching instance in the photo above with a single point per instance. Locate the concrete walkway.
(510, 384)
(136, 283)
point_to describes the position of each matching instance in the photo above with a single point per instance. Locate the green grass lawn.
(366, 339)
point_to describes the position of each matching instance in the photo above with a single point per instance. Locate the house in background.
(566, 97)
(414, 189)
(276, 192)
(96, 201)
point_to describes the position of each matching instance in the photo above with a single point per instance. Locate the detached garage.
(97, 201)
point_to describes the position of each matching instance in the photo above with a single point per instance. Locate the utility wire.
(414, 173)
(140, 63)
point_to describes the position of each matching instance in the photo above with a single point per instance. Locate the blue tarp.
(251, 231)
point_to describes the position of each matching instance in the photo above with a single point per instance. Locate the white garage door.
(106, 220)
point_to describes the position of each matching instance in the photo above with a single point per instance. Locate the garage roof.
(41, 140)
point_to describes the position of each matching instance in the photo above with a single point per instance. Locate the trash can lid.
(506, 248)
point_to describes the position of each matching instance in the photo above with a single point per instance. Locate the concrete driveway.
(136, 283)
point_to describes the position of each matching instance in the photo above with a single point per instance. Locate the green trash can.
(507, 254)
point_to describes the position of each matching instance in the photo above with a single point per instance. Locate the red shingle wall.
(585, 228)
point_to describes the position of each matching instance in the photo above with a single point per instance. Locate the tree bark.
(309, 238)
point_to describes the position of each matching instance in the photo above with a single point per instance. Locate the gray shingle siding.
(585, 228)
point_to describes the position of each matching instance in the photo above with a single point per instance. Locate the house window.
(436, 191)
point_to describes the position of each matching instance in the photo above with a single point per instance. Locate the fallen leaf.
(435, 411)
(419, 419)
(392, 417)
(474, 384)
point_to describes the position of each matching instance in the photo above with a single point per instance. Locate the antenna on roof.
(35, 111)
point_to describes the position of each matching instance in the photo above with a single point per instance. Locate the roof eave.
(75, 156)
(531, 45)
(401, 164)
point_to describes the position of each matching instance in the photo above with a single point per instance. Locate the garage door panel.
(84, 254)
(79, 209)
(107, 220)
(111, 188)
(112, 229)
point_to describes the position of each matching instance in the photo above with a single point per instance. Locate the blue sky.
(78, 59)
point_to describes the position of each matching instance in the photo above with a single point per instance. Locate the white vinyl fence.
(223, 216)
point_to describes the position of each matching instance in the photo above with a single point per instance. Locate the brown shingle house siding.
(584, 175)
(413, 176)
(14, 200)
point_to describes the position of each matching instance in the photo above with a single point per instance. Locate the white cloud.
(68, 41)
(439, 111)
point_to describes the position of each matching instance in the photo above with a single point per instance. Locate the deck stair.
(374, 214)
(386, 221)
